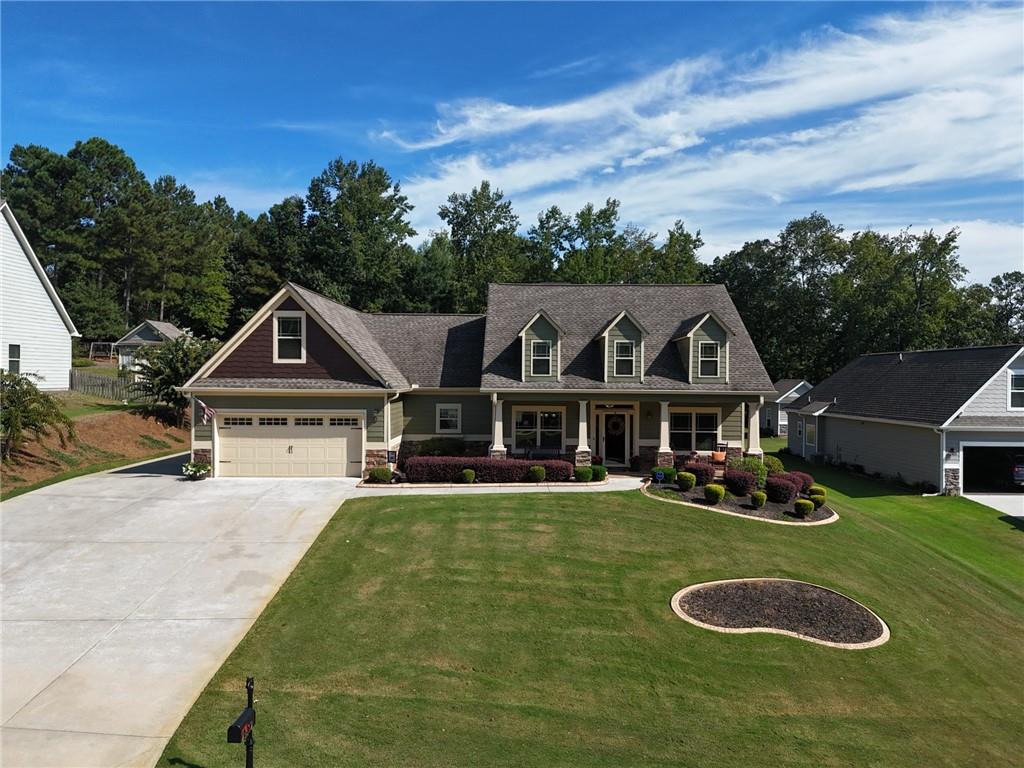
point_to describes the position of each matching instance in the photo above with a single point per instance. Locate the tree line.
(120, 248)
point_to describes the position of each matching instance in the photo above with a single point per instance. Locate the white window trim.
(631, 357)
(537, 409)
(717, 358)
(1010, 390)
(302, 323)
(811, 434)
(694, 410)
(18, 358)
(550, 358)
(437, 419)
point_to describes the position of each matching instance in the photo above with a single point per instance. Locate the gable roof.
(30, 254)
(929, 387)
(784, 386)
(583, 311)
(615, 321)
(689, 327)
(539, 314)
(168, 330)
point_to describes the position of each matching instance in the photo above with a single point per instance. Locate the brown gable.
(254, 357)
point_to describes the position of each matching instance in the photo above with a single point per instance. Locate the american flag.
(208, 412)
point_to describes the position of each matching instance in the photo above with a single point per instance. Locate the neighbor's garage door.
(279, 445)
(988, 469)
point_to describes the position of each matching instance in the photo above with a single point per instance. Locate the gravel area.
(778, 604)
(770, 511)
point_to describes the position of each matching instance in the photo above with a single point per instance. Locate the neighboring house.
(310, 387)
(35, 330)
(950, 418)
(774, 419)
(148, 333)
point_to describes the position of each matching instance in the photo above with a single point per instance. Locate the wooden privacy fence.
(102, 386)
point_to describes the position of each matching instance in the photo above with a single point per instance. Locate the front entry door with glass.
(615, 437)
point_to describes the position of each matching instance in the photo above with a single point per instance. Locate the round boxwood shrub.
(535, 474)
(817, 501)
(584, 474)
(803, 507)
(686, 480)
(740, 483)
(468, 476)
(669, 474)
(779, 489)
(817, 490)
(379, 475)
(773, 464)
(703, 471)
(600, 472)
(713, 493)
(758, 498)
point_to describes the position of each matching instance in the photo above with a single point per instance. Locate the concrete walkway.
(123, 592)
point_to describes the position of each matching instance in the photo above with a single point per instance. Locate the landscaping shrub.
(703, 471)
(448, 469)
(753, 465)
(686, 480)
(379, 475)
(817, 501)
(535, 474)
(600, 472)
(779, 489)
(669, 474)
(584, 474)
(82, 362)
(805, 480)
(773, 464)
(758, 499)
(713, 493)
(468, 476)
(803, 507)
(740, 483)
(442, 446)
(596, 461)
(817, 490)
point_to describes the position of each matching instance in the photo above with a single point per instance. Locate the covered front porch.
(625, 431)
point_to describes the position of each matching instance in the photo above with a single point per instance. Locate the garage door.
(989, 469)
(289, 445)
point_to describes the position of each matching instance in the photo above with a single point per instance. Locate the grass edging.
(563, 484)
(89, 469)
(826, 521)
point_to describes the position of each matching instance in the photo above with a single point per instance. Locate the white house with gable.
(35, 330)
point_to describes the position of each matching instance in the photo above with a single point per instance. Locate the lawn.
(535, 630)
(77, 404)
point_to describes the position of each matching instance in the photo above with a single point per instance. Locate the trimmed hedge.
(753, 465)
(740, 483)
(817, 490)
(779, 489)
(703, 471)
(758, 499)
(600, 472)
(596, 460)
(668, 472)
(774, 465)
(584, 474)
(713, 493)
(685, 481)
(379, 475)
(803, 507)
(468, 476)
(806, 481)
(817, 501)
(536, 474)
(448, 469)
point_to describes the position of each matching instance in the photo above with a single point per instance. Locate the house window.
(537, 429)
(14, 358)
(309, 421)
(680, 432)
(693, 431)
(344, 421)
(289, 337)
(624, 358)
(1016, 390)
(540, 358)
(448, 418)
(273, 421)
(238, 421)
(812, 430)
(707, 364)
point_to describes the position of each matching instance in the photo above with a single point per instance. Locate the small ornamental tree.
(161, 370)
(25, 410)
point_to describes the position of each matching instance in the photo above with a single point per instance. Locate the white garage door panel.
(292, 450)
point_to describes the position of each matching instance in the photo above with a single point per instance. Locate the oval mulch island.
(781, 606)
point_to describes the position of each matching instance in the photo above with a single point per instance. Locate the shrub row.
(448, 469)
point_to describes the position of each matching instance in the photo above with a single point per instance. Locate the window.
(309, 421)
(1016, 390)
(624, 354)
(707, 431)
(680, 431)
(273, 421)
(812, 430)
(540, 358)
(448, 418)
(289, 337)
(14, 358)
(707, 365)
(693, 431)
(537, 429)
(238, 421)
(344, 421)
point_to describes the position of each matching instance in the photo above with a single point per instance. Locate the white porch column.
(497, 432)
(753, 428)
(583, 445)
(663, 438)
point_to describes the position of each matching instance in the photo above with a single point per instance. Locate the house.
(148, 333)
(310, 387)
(36, 332)
(948, 418)
(774, 419)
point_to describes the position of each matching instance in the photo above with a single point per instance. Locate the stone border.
(880, 640)
(709, 508)
(563, 484)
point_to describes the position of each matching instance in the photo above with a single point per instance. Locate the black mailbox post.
(240, 731)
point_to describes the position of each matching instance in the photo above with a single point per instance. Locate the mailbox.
(240, 731)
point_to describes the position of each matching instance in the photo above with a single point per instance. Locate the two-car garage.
(989, 468)
(278, 444)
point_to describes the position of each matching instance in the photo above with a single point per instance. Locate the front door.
(616, 437)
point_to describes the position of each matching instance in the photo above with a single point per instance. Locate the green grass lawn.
(535, 630)
(76, 404)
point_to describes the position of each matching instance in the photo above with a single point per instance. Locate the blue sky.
(733, 117)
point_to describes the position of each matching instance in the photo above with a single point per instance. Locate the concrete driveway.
(1007, 503)
(123, 593)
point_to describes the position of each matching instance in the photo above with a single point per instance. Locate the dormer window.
(709, 358)
(540, 358)
(625, 355)
(289, 337)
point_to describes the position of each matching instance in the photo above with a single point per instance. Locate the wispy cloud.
(582, 66)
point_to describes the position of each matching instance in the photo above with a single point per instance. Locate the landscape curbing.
(674, 604)
(569, 484)
(709, 508)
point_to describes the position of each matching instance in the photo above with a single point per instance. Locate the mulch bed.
(790, 605)
(770, 511)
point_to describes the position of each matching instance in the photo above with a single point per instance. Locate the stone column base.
(202, 455)
(582, 458)
(375, 457)
(733, 452)
(497, 453)
(666, 459)
(951, 478)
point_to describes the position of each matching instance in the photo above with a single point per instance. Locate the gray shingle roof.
(432, 350)
(311, 384)
(926, 387)
(785, 386)
(584, 310)
(168, 330)
(1009, 421)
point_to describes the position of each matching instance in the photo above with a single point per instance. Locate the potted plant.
(196, 470)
